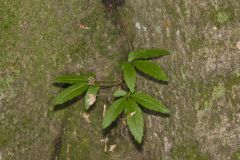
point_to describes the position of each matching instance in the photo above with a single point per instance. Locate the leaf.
(72, 79)
(113, 112)
(147, 54)
(91, 95)
(70, 93)
(151, 69)
(134, 120)
(149, 102)
(129, 75)
(119, 93)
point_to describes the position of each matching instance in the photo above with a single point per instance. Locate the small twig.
(102, 81)
(124, 30)
(104, 109)
(111, 85)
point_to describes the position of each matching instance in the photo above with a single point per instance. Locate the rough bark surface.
(42, 39)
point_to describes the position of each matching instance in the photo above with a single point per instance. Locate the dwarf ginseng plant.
(127, 101)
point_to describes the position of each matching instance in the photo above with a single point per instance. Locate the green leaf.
(91, 95)
(119, 93)
(113, 111)
(72, 79)
(134, 120)
(149, 102)
(129, 75)
(151, 69)
(147, 54)
(70, 93)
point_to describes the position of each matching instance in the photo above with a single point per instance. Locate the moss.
(221, 89)
(80, 141)
(98, 33)
(74, 149)
(190, 152)
(223, 16)
(172, 10)
(185, 10)
(205, 91)
(4, 140)
(37, 41)
(4, 83)
(232, 81)
(196, 43)
(5, 137)
(8, 31)
(236, 155)
(218, 92)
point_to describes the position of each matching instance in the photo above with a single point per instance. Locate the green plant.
(127, 101)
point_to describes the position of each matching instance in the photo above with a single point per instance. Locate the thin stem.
(124, 30)
(102, 81)
(116, 83)
(110, 84)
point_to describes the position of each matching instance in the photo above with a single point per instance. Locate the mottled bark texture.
(42, 39)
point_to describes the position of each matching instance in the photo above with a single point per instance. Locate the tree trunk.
(43, 39)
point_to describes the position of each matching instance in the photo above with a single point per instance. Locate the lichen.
(222, 17)
(218, 92)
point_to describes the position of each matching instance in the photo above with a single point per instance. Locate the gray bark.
(43, 39)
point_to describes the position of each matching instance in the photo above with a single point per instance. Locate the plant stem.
(112, 84)
(124, 30)
(101, 81)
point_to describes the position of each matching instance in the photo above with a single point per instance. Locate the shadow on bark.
(151, 78)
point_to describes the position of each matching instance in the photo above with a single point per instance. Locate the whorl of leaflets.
(127, 102)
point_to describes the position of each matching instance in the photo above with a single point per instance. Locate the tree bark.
(49, 38)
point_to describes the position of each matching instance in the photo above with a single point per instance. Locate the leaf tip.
(132, 90)
(166, 111)
(56, 100)
(104, 125)
(139, 141)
